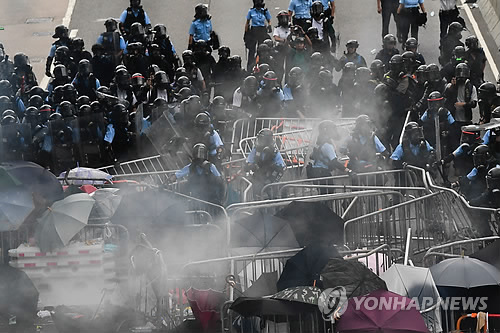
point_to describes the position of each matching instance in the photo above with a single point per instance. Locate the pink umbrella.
(381, 311)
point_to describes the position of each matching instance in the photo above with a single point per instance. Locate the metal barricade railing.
(141, 165)
(346, 205)
(455, 249)
(427, 216)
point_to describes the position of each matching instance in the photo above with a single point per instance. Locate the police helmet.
(389, 40)
(263, 50)
(36, 101)
(409, 58)
(261, 69)
(327, 130)
(96, 107)
(470, 134)
(219, 102)
(160, 103)
(58, 94)
(82, 100)
(317, 9)
(411, 44)
(84, 110)
(194, 104)
(462, 71)
(312, 33)
(235, 62)
(104, 90)
(317, 59)
(60, 32)
(283, 19)
(352, 44)
(265, 138)
(62, 53)
(414, 133)
(21, 60)
(66, 109)
(78, 44)
(84, 67)
(363, 124)
(487, 90)
(161, 79)
(184, 93)
(200, 152)
(270, 79)
(493, 179)
(472, 42)
(9, 113)
(250, 86)
(496, 113)
(459, 53)
(377, 69)
(119, 114)
(137, 80)
(454, 28)
(201, 11)
(381, 90)
(55, 117)
(188, 57)
(60, 72)
(5, 103)
(362, 75)
(5, 88)
(326, 77)
(480, 156)
(32, 115)
(180, 71)
(202, 121)
(182, 82)
(160, 30)
(295, 77)
(122, 77)
(8, 120)
(69, 92)
(224, 52)
(37, 90)
(111, 24)
(433, 73)
(349, 68)
(396, 64)
(435, 101)
(421, 74)
(45, 112)
(137, 29)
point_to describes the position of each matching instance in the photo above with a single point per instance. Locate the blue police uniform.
(201, 29)
(287, 93)
(123, 16)
(449, 118)
(326, 3)
(301, 8)
(76, 81)
(277, 160)
(53, 48)
(123, 45)
(184, 172)
(258, 17)
(411, 3)
(398, 153)
(110, 133)
(486, 137)
(215, 142)
(327, 153)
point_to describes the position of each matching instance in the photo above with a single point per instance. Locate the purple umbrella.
(393, 313)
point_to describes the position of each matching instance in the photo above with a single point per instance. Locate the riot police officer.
(133, 14)
(245, 96)
(113, 43)
(201, 27)
(264, 161)
(62, 34)
(85, 82)
(6, 66)
(351, 55)
(411, 44)
(294, 94)
(488, 100)
(204, 132)
(476, 59)
(462, 156)
(414, 150)
(461, 96)
(60, 78)
(450, 41)
(270, 95)
(446, 130)
(388, 49)
(256, 30)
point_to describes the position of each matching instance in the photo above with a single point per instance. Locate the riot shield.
(16, 143)
(62, 144)
(90, 146)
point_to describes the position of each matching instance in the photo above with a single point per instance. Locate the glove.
(269, 29)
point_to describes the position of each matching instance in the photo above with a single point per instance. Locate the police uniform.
(363, 152)
(201, 29)
(130, 16)
(256, 33)
(205, 184)
(408, 18)
(328, 24)
(412, 154)
(87, 86)
(302, 12)
(270, 167)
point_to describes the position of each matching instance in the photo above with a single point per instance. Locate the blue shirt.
(123, 45)
(411, 3)
(425, 118)
(76, 81)
(278, 160)
(123, 16)
(398, 153)
(201, 29)
(185, 171)
(53, 48)
(301, 8)
(486, 137)
(326, 3)
(280, 94)
(258, 17)
(287, 93)
(110, 133)
(379, 146)
(328, 153)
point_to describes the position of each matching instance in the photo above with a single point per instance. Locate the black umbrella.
(304, 268)
(313, 222)
(262, 231)
(489, 254)
(263, 286)
(355, 277)
(18, 294)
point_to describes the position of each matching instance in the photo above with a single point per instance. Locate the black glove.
(269, 29)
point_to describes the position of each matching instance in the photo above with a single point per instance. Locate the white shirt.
(237, 97)
(318, 25)
(460, 111)
(281, 32)
(448, 4)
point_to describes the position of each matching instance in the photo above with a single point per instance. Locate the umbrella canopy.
(62, 221)
(416, 283)
(304, 268)
(264, 285)
(206, 305)
(355, 277)
(15, 206)
(398, 317)
(313, 222)
(489, 254)
(107, 201)
(303, 294)
(33, 177)
(261, 306)
(18, 294)
(465, 272)
(261, 231)
(86, 173)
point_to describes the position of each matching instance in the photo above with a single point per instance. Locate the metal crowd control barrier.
(346, 205)
(427, 216)
(455, 249)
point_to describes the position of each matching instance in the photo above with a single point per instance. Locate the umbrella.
(33, 178)
(465, 272)
(259, 306)
(107, 201)
(489, 254)
(395, 314)
(355, 277)
(87, 173)
(313, 222)
(262, 231)
(416, 283)
(18, 295)
(62, 221)
(304, 268)
(15, 206)
(264, 285)
(301, 294)
(206, 305)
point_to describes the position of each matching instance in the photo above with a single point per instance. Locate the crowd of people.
(99, 106)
